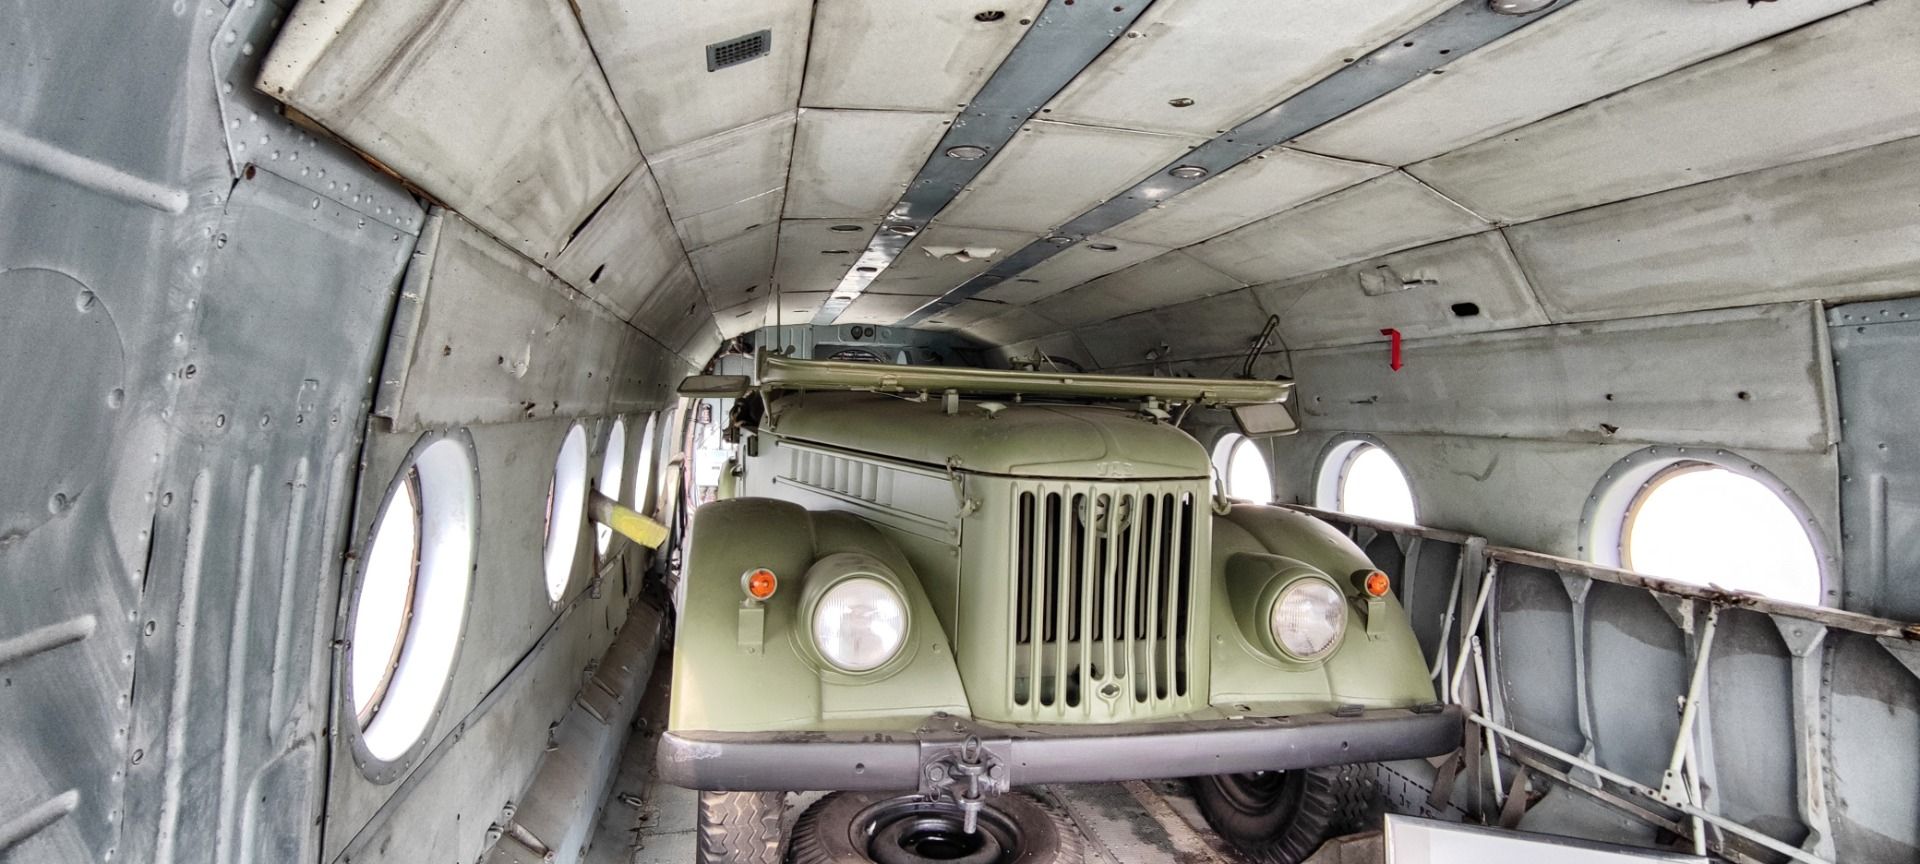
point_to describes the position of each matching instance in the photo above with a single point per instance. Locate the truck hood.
(1024, 439)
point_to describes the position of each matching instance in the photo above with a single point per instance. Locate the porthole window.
(566, 506)
(613, 468)
(1706, 519)
(1243, 469)
(643, 467)
(1358, 476)
(410, 598)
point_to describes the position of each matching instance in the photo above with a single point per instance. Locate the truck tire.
(1281, 817)
(742, 827)
(871, 828)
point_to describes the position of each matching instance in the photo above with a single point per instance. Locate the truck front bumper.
(1032, 755)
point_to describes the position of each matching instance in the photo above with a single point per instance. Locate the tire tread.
(742, 827)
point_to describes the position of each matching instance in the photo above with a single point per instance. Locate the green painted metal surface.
(1063, 563)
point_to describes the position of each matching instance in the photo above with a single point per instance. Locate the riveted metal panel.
(518, 666)
(1231, 59)
(1876, 347)
(251, 526)
(1764, 105)
(499, 339)
(1873, 734)
(1533, 653)
(934, 58)
(1751, 725)
(1637, 668)
(814, 256)
(466, 103)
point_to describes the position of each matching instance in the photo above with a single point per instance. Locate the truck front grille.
(1103, 600)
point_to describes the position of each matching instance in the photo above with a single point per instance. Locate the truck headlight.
(1308, 619)
(859, 624)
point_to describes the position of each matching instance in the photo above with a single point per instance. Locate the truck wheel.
(1281, 817)
(861, 827)
(742, 827)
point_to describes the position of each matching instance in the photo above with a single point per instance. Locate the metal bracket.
(967, 771)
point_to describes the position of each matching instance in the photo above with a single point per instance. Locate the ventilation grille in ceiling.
(734, 52)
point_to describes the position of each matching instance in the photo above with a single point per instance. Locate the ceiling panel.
(1052, 172)
(1224, 325)
(627, 248)
(814, 257)
(943, 256)
(1232, 58)
(1016, 325)
(1167, 280)
(1845, 82)
(655, 56)
(873, 308)
(1390, 212)
(737, 269)
(713, 226)
(1345, 306)
(857, 163)
(728, 168)
(755, 314)
(1572, 57)
(1259, 187)
(1841, 227)
(467, 102)
(1076, 264)
(676, 312)
(964, 317)
(932, 56)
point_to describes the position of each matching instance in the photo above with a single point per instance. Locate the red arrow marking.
(1395, 336)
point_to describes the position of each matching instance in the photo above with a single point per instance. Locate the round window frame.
(1330, 487)
(605, 538)
(573, 501)
(1607, 517)
(1221, 457)
(645, 476)
(380, 770)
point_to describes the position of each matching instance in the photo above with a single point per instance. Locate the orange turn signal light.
(1376, 584)
(759, 583)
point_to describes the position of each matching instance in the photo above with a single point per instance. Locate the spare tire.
(876, 828)
(1282, 817)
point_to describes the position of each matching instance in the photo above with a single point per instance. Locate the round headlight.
(1308, 619)
(859, 624)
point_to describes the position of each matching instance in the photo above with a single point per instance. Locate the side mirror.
(1266, 420)
(715, 386)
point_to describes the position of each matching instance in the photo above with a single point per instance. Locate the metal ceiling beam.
(1060, 44)
(1424, 50)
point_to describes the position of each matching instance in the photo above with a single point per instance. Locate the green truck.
(930, 586)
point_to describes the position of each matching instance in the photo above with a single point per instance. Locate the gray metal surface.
(189, 343)
(1592, 663)
(1063, 39)
(1443, 39)
(1876, 348)
(1037, 755)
